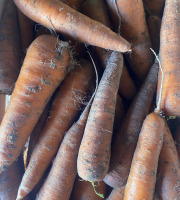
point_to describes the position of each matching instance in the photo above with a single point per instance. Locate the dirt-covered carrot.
(66, 106)
(127, 87)
(169, 81)
(10, 60)
(26, 30)
(2, 106)
(177, 140)
(69, 22)
(142, 177)
(128, 133)
(154, 25)
(154, 7)
(94, 152)
(141, 58)
(117, 194)
(83, 190)
(10, 180)
(45, 66)
(2, 6)
(168, 180)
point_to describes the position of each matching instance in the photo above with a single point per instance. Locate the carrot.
(10, 60)
(128, 133)
(64, 111)
(44, 67)
(142, 177)
(26, 30)
(177, 140)
(10, 180)
(168, 182)
(154, 7)
(2, 106)
(2, 6)
(69, 22)
(127, 87)
(154, 25)
(83, 190)
(141, 58)
(170, 60)
(94, 152)
(117, 194)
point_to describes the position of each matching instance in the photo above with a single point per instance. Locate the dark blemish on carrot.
(10, 155)
(32, 89)
(153, 173)
(52, 64)
(28, 104)
(13, 124)
(24, 115)
(11, 146)
(154, 125)
(12, 137)
(3, 168)
(43, 81)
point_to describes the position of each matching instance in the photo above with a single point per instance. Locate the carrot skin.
(44, 67)
(170, 60)
(65, 108)
(128, 133)
(10, 60)
(117, 194)
(71, 23)
(142, 177)
(2, 106)
(168, 181)
(94, 152)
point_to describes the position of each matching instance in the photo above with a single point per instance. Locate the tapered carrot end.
(21, 194)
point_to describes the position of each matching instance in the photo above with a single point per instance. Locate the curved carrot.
(117, 194)
(170, 60)
(69, 22)
(128, 133)
(44, 67)
(65, 108)
(168, 181)
(10, 59)
(142, 177)
(154, 7)
(94, 152)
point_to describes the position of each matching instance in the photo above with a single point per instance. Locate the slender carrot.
(168, 182)
(154, 25)
(141, 58)
(94, 152)
(44, 67)
(142, 177)
(154, 7)
(69, 22)
(126, 87)
(10, 60)
(177, 140)
(65, 108)
(170, 60)
(128, 132)
(117, 194)
(83, 190)
(2, 106)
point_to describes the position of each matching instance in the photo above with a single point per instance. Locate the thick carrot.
(10, 180)
(44, 67)
(69, 22)
(65, 108)
(168, 181)
(177, 140)
(2, 6)
(154, 25)
(169, 87)
(117, 194)
(154, 7)
(83, 190)
(141, 58)
(142, 177)
(10, 60)
(26, 30)
(126, 87)
(2, 106)
(94, 152)
(128, 133)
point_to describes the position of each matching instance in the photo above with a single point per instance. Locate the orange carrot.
(142, 177)
(169, 81)
(44, 67)
(154, 25)
(68, 21)
(154, 7)
(83, 190)
(128, 133)
(94, 152)
(65, 108)
(127, 87)
(177, 140)
(2, 106)
(141, 58)
(168, 181)
(117, 194)
(10, 60)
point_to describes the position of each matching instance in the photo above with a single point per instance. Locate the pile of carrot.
(95, 95)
